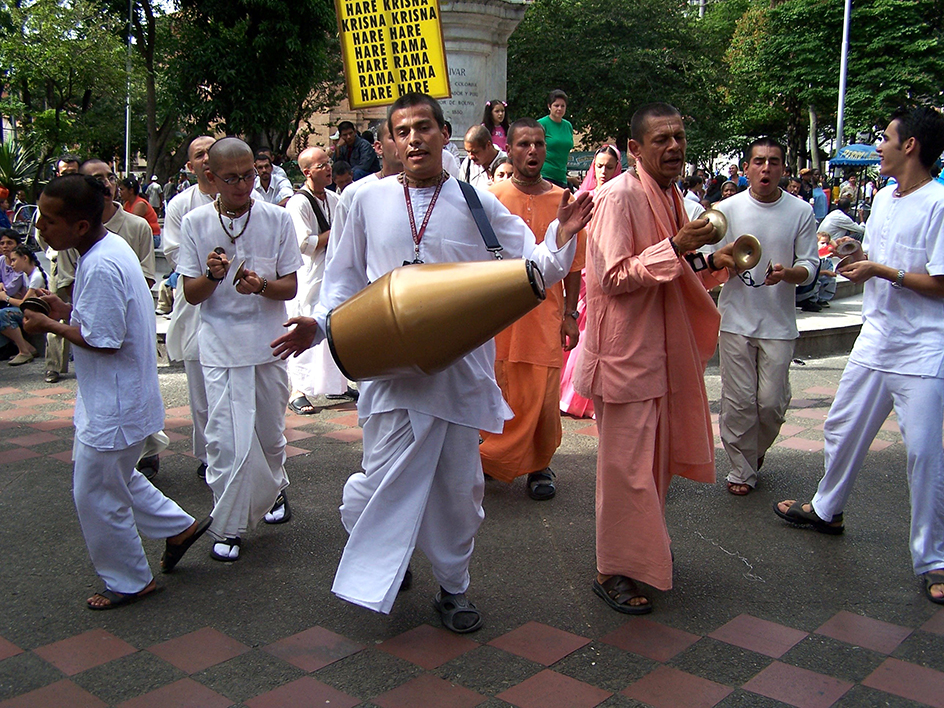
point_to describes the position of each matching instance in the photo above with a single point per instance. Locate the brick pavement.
(186, 647)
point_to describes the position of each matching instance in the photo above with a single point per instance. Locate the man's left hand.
(36, 322)
(860, 271)
(570, 333)
(249, 284)
(776, 275)
(296, 340)
(574, 214)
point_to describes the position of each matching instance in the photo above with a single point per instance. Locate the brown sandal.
(618, 591)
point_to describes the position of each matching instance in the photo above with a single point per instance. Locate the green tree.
(63, 58)
(253, 67)
(611, 56)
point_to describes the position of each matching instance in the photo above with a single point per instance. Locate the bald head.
(478, 135)
(310, 156)
(227, 150)
(199, 145)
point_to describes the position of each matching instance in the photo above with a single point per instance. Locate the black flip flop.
(796, 515)
(280, 500)
(302, 406)
(173, 552)
(933, 578)
(117, 600)
(450, 605)
(541, 485)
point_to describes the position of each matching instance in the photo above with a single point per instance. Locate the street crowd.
(629, 257)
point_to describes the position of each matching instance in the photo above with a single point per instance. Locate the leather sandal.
(796, 515)
(618, 591)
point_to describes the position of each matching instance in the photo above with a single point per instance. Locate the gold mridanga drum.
(418, 319)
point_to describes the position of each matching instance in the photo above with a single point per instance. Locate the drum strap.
(481, 220)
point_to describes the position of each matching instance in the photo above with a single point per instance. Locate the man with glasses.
(268, 187)
(312, 209)
(758, 312)
(137, 233)
(238, 258)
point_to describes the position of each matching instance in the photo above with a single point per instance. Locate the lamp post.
(128, 96)
(843, 68)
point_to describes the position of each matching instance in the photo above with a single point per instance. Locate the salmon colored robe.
(651, 328)
(529, 358)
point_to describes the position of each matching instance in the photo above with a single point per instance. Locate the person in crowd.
(820, 200)
(182, 332)
(13, 288)
(277, 170)
(849, 189)
(111, 325)
(495, 120)
(155, 195)
(449, 147)
(806, 184)
(560, 139)
(826, 280)
(341, 176)
(312, 209)
(478, 168)
(135, 204)
(728, 189)
(793, 187)
(504, 171)
(268, 187)
(422, 483)
(607, 164)
(839, 223)
(897, 362)
(242, 294)
(528, 353)
(758, 312)
(355, 151)
(651, 329)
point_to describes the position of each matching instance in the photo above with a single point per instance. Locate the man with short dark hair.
(758, 312)
(839, 223)
(528, 353)
(897, 362)
(119, 401)
(651, 329)
(478, 168)
(341, 175)
(355, 151)
(268, 187)
(67, 165)
(422, 484)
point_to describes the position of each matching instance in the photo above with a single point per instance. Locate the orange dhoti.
(633, 476)
(530, 439)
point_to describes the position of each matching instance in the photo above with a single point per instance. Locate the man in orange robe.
(651, 328)
(528, 354)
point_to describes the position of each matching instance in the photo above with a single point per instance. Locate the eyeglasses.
(248, 177)
(322, 166)
(110, 178)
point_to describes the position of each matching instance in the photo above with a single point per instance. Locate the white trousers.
(755, 394)
(155, 444)
(422, 486)
(863, 402)
(196, 389)
(314, 372)
(114, 503)
(245, 443)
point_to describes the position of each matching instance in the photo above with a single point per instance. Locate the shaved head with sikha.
(227, 150)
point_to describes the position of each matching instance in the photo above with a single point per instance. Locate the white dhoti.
(422, 486)
(245, 443)
(182, 345)
(314, 372)
(114, 503)
(863, 402)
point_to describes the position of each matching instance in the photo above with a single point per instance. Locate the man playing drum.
(422, 483)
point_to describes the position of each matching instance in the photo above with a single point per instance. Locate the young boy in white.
(247, 391)
(119, 401)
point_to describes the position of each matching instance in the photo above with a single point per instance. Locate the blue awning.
(855, 155)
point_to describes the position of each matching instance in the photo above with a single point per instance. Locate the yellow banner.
(391, 47)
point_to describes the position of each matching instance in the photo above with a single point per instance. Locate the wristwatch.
(209, 276)
(900, 280)
(575, 314)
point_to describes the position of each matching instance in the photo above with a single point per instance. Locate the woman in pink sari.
(606, 165)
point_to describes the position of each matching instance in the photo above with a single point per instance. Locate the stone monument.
(476, 33)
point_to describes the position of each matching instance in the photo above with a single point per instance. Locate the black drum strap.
(481, 220)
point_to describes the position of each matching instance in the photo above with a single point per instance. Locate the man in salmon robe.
(651, 328)
(528, 353)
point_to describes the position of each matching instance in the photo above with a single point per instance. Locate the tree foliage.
(63, 61)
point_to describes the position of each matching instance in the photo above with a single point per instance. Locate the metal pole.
(128, 97)
(843, 66)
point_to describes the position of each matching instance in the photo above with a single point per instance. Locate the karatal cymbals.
(747, 252)
(35, 304)
(240, 272)
(719, 221)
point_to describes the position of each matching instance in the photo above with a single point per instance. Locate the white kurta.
(896, 363)
(247, 390)
(118, 405)
(314, 371)
(420, 431)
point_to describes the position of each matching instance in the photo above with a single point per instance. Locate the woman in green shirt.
(559, 135)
